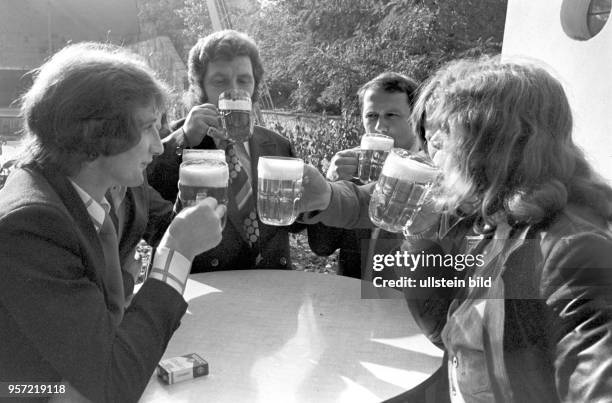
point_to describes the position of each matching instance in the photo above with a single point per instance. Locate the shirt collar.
(97, 211)
(117, 194)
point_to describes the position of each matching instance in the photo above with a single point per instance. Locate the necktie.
(116, 194)
(242, 193)
(113, 280)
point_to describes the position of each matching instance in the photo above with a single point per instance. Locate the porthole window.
(598, 14)
(583, 19)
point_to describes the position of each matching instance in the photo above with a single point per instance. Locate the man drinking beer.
(386, 103)
(92, 117)
(224, 61)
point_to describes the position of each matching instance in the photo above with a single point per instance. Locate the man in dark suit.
(386, 103)
(221, 61)
(93, 116)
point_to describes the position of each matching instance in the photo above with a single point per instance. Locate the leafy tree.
(318, 52)
(324, 50)
(160, 17)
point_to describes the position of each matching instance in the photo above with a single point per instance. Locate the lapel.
(94, 254)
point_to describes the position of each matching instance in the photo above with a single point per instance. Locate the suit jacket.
(146, 215)
(233, 253)
(348, 207)
(55, 321)
(556, 320)
(356, 245)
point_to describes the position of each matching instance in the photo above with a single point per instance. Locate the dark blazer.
(356, 245)
(146, 216)
(557, 315)
(55, 321)
(233, 253)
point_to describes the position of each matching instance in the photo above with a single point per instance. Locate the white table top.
(291, 336)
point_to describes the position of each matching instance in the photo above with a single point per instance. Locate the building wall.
(534, 29)
(31, 30)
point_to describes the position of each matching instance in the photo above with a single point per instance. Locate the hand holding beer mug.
(372, 154)
(235, 110)
(201, 178)
(279, 188)
(402, 189)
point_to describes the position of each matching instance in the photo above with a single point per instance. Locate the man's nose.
(234, 84)
(381, 126)
(156, 146)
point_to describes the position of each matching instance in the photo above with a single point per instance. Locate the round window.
(583, 19)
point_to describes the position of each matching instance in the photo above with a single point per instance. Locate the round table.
(292, 336)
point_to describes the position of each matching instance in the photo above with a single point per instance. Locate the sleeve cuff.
(176, 142)
(170, 267)
(317, 216)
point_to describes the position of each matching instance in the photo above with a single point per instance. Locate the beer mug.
(201, 178)
(279, 188)
(372, 153)
(191, 154)
(401, 190)
(235, 110)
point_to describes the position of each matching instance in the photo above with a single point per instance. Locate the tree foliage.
(161, 17)
(318, 52)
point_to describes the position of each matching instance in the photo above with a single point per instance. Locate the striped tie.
(242, 192)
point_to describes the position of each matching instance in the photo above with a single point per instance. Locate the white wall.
(533, 29)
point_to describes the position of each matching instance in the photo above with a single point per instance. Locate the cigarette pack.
(184, 367)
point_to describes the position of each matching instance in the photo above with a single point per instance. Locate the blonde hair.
(513, 149)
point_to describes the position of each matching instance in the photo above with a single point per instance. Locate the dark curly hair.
(81, 105)
(221, 45)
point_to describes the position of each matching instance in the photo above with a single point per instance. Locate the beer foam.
(192, 154)
(280, 168)
(203, 174)
(235, 104)
(376, 143)
(407, 168)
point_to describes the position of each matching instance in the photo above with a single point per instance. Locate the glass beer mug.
(404, 184)
(279, 188)
(235, 110)
(372, 153)
(204, 177)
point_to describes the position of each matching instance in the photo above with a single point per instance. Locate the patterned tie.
(242, 191)
(113, 279)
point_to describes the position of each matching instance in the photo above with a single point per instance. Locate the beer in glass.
(201, 178)
(401, 190)
(279, 188)
(235, 110)
(371, 156)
